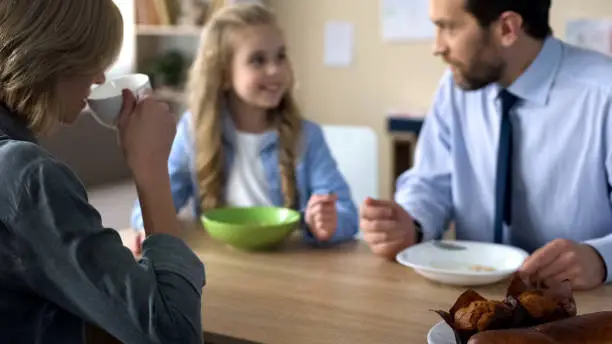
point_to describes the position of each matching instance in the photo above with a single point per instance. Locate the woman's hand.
(146, 132)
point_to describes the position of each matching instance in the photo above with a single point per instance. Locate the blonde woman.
(244, 142)
(59, 267)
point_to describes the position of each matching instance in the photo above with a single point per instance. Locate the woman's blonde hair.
(43, 40)
(207, 99)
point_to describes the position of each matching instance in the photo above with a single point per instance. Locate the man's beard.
(480, 75)
(485, 67)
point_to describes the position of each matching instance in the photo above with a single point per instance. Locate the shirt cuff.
(603, 246)
(430, 227)
(137, 222)
(170, 254)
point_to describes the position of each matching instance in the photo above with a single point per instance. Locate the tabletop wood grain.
(344, 294)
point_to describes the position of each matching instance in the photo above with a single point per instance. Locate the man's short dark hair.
(535, 13)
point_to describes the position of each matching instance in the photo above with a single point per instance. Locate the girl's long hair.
(206, 102)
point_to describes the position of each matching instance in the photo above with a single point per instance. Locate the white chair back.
(355, 149)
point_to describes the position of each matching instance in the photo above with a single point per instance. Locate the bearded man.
(517, 148)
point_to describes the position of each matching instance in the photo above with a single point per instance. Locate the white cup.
(105, 100)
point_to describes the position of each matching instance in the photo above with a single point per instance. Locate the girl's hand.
(135, 243)
(322, 216)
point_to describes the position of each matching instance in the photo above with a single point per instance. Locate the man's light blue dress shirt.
(562, 156)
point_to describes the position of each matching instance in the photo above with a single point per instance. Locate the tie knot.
(508, 100)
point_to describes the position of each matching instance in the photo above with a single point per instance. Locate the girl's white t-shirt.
(247, 185)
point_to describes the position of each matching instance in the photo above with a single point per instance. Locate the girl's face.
(260, 71)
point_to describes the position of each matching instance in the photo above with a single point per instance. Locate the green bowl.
(251, 228)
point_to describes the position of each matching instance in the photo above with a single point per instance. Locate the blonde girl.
(244, 141)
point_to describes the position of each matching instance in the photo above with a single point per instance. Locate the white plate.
(441, 333)
(458, 267)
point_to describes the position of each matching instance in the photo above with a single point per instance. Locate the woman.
(59, 268)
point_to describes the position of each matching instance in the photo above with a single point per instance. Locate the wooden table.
(343, 294)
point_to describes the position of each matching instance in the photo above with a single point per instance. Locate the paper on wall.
(594, 34)
(406, 20)
(339, 43)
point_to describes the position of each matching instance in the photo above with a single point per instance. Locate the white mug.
(105, 100)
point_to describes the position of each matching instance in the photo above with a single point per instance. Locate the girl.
(59, 267)
(244, 143)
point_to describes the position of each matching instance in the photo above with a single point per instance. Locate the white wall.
(126, 61)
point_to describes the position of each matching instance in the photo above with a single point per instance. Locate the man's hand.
(322, 216)
(565, 260)
(386, 227)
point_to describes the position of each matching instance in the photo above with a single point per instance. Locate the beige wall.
(383, 76)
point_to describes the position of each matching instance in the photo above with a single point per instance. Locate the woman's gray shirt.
(60, 268)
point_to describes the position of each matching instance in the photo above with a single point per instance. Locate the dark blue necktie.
(503, 180)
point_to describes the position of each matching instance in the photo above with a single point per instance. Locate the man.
(517, 148)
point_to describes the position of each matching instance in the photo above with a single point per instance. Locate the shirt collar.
(535, 83)
(13, 127)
